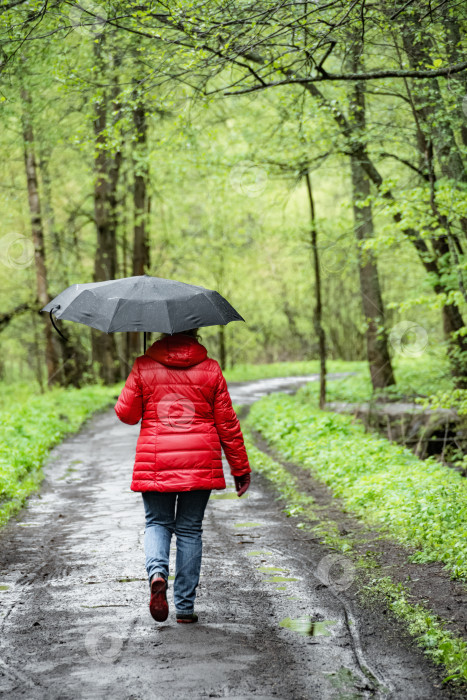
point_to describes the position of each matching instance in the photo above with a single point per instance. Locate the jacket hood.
(177, 350)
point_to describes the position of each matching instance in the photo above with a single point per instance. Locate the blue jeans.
(162, 520)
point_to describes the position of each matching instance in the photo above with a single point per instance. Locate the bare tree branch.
(5, 318)
(416, 74)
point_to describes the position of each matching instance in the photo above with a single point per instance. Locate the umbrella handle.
(144, 334)
(53, 322)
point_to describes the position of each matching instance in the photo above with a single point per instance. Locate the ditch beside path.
(74, 619)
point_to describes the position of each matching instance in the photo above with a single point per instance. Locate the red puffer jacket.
(182, 398)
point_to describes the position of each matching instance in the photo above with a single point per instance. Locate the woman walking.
(181, 397)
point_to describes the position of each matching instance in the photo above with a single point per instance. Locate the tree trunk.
(140, 204)
(107, 166)
(318, 311)
(53, 366)
(376, 337)
(73, 359)
(453, 39)
(372, 302)
(37, 355)
(49, 214)
(140, 196)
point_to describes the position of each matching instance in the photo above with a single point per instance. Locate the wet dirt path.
(74, 619)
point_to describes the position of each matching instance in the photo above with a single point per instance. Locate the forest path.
(74, 595)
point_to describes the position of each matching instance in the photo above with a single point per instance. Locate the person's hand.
(242, 483)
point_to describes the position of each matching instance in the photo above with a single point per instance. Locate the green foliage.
(421, 503)
(30, 426)
(229, 207)
(453, 398)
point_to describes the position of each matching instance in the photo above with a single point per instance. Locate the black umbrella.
(141, 303)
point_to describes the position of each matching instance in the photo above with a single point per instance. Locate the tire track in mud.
(74, 610)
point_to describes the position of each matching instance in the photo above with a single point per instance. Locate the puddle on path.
(281, 579)
(248, 524)
(270, 568)
(258, 553)
(67, 476)
(224, 496)
(308, 627)
(345, 682)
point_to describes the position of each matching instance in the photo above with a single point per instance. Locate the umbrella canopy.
(142, 303)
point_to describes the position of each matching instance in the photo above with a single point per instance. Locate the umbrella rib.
(116, 307)
(213, 304)
(168, 316)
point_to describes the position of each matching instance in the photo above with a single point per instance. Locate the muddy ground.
(74, 620)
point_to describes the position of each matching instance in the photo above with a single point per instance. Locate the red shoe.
(158, 606)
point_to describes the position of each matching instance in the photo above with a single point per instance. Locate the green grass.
(16, 393)
(295, 502)
(29, 426)
(420, 503)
